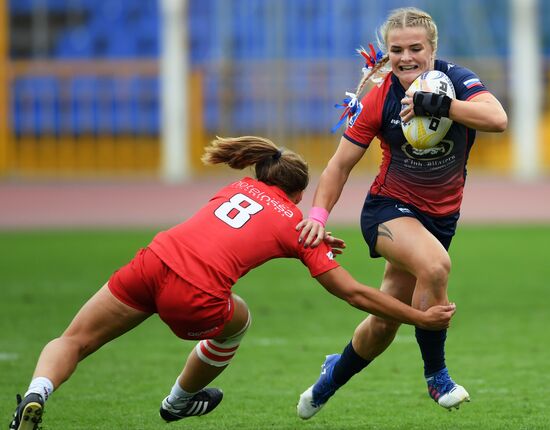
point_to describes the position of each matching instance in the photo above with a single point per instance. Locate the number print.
(234, 214)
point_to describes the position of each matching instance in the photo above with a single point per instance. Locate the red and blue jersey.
(431, 179)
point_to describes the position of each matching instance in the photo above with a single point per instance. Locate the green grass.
(497, 346)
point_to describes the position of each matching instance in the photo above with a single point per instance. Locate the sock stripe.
(212, 358)
(215, 355)
(219, 350)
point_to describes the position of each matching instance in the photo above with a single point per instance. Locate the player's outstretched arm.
(339, 282)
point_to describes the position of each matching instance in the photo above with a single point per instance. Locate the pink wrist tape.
(319, 215)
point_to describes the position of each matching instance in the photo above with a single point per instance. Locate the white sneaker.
(306, 408)
(454, 398)
(445, 391)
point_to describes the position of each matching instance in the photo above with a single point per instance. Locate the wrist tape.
(318, 214)
(431, 104)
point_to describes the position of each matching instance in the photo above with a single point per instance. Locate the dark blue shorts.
(379, 209)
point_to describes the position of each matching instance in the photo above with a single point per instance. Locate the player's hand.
(312, 232)
(337, 245)
(407, 108)
(438, 317)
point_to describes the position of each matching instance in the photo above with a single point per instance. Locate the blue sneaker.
(314, 398)
(445, 391)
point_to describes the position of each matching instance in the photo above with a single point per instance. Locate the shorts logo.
(403, 209)
(201, 333)
(330, 255)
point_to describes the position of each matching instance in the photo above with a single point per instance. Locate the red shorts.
(149, 285)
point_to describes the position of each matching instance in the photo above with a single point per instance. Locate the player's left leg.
(410, 246)
(99, 321)
(207, 360)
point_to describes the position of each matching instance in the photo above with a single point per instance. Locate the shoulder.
(465, 81)
(379, 91)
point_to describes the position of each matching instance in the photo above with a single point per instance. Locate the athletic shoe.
(202, 403)
(445, 391)
(28, 413)
(315, 397)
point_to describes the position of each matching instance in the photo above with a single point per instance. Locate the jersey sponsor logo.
(440, 150)
(396, 122)
(474, 82)
(263, 198)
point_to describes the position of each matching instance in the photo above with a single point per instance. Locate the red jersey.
(431, 179)
(244, 225)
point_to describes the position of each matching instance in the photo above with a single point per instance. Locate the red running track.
(150, 204)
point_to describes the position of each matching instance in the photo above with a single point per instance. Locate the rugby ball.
(424, 132)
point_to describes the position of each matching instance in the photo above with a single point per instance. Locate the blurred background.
(123, 89)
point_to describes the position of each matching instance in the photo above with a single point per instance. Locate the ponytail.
(273, 166)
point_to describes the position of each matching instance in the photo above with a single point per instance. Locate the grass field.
(498, 345)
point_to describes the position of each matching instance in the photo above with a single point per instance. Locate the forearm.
(385, 306)
(339, 282)
(484, 115)
(329, 189)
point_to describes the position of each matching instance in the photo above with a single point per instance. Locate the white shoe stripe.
(199, 408)
(203, 409)
(194, 408)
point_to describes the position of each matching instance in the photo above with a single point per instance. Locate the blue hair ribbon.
(351, 105)
(352, 108)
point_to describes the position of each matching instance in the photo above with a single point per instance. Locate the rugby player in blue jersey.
(412, 208)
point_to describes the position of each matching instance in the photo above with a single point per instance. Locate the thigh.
(408, 245)
(190, 312)
(102, 319)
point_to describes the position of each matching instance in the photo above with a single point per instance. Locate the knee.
(436, 273)
(220, 352)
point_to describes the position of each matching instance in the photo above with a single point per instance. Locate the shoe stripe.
(198, 408)
(194, 408)
(434, 393)
(205, 406)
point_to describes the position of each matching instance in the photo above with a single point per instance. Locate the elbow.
(497, 122)
(500, 123)
(494, 125)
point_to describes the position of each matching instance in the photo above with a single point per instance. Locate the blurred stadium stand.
(84, 74)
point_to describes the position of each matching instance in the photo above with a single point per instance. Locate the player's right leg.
(189, 395)
(370, 339)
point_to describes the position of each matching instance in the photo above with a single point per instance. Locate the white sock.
(178, 396)
(41, 385)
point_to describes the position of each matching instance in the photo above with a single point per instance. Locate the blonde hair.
(398, 18)
(273, 166)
